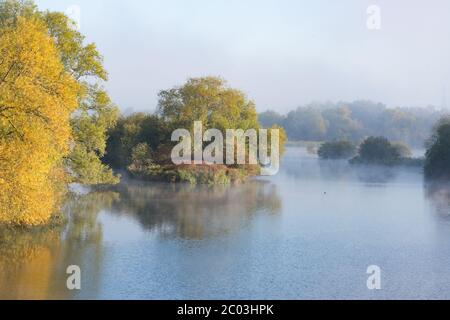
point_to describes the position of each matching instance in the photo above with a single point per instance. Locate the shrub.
(378, 150)
(403, 149)
(337, 150)
(437, 162)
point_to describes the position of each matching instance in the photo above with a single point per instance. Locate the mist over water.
(282, 53)
(309, 232)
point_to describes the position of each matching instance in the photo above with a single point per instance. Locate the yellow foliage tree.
(37, 97)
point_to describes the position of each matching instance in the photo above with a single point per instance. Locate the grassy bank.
(197, 174)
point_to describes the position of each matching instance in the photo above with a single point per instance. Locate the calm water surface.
(308, 233)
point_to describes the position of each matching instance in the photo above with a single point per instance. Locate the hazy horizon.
(282, 54)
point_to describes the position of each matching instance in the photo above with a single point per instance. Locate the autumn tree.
(37, 97)
(95, 113)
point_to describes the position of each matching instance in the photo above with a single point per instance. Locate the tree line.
(381, 151)
(354, 121)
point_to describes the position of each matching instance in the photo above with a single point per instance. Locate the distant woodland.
(355, 121)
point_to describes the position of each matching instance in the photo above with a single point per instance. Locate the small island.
(140, 145)
(380, 151)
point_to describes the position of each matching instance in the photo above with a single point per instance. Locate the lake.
(310, 232)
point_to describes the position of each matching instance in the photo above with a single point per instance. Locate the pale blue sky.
(280, 53)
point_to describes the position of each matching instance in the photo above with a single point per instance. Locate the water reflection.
(280, 237)
(439, 196)
(33, 263)
(27, 262)
(376, 174)
(339, 170)
(196, 212)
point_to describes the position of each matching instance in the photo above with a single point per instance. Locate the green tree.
(133, 130)
(403, 149)
(210, 101)
(437, 163)
(37, 97)
(377, 150)
(141, 159)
